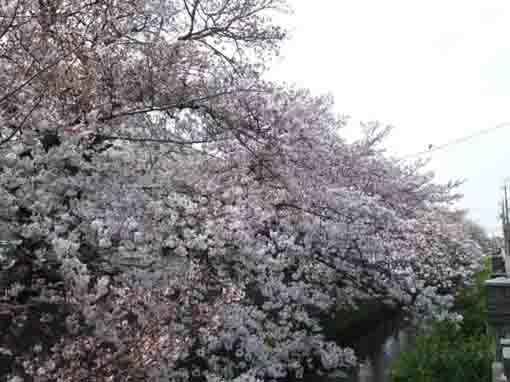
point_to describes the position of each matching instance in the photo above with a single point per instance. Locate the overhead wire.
(457, 141)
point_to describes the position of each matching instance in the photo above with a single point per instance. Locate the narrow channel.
(378, 350)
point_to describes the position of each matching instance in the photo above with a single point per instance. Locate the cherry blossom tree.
(167, 214)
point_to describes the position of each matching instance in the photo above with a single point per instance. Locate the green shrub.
(453, 352)
(471, 303)
(445, 354)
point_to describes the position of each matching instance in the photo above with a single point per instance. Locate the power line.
(457, 141)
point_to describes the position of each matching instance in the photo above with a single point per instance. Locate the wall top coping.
(498, 281)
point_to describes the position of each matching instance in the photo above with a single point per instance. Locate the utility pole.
(505, 221)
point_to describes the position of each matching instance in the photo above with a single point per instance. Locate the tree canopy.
(168, 214)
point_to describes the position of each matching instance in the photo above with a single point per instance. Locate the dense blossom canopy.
(167, 214)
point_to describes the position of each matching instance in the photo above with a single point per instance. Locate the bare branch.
(22, 123)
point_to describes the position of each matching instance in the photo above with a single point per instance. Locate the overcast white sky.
(436, 70)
